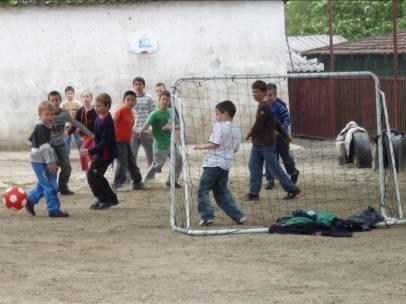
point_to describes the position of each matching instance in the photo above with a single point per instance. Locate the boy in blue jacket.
(281, 113)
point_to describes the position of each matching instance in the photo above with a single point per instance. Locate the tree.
(353, 19)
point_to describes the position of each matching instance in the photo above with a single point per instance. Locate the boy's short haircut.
(104, 99)
(160, 84)
(166, 93)
(227, 106)
(69, 88)
(55, 93)
(129, 93)
(260, 85)
(88, 92)
(272, 87)
(140, 79)
(44, 106)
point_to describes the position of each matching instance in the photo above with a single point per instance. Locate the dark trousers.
(283, 151)
(126, 163)
(98, 183)
(64, 165)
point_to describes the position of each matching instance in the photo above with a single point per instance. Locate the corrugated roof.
(304, 43)
(65, 2)
(381, 44)
(299, 44)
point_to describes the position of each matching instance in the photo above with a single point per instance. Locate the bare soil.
(129, 254)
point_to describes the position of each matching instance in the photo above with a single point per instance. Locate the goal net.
(321, 105)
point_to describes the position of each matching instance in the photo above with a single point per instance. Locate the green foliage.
(8, 2)
(352, 19)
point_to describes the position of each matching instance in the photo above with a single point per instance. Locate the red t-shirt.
(124, 121)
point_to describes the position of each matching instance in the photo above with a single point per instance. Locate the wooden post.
(396, 104)
(332, 83)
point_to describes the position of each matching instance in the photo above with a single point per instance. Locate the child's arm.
(282, 132)
(105, 139)
(209, 146)
(263, 113)
(77, 124)
(144, 128)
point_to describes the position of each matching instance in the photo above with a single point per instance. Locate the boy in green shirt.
(159, 120)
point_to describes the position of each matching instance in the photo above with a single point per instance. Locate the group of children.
(142, 121)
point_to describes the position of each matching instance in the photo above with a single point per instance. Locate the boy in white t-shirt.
(223, 143)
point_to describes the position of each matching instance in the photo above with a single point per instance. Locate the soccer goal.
(321, 104)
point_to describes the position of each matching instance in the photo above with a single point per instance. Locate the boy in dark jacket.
(263, 146)
(104, 151)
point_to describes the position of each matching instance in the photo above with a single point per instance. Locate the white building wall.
(48, 48)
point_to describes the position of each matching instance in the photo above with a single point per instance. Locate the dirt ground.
(130, 255)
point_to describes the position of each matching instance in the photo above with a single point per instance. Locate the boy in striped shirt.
(145, 105)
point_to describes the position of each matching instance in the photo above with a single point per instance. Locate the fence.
(321, 107)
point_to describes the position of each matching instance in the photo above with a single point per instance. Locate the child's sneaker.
(139, 186)
(120, 188)
(83, 177)
(292, 194)
(100, 206)
(241, 221)
(250, 197)
(206, 222)
(30, 208)
(58, 213)
(177, 185)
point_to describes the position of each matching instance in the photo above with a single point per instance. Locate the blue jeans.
(46, 186)
(267, 154)
(282, 150)
(215, 179)
(68, 139)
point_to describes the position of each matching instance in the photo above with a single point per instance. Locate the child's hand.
(166, 127)
(92, 137)
(53, 168)
(199, 147)
(84, 152)
(288, 140)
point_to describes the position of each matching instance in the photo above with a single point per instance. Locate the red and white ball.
(14, 198)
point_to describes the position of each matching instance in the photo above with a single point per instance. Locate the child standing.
(43, 161)
(159, 120)
(144, 106)
(124, 122)
(159, 88)
(281, 113)
(86, 115)
(72, 106)
(223, 143)
(104, 151)
(263, 147)
(61, 117)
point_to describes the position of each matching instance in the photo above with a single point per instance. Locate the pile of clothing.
(311, 222)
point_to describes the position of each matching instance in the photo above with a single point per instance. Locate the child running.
(223, 143)
(104, 151)
(86, 115)
(159, 120)
(61, 117)
(43, 162)
(124, 122)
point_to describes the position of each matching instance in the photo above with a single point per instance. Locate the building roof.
(64, 2)
(299, 44)
(309, 42)
(381, 44)
(70, 2)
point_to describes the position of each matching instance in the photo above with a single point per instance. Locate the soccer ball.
(15, 197)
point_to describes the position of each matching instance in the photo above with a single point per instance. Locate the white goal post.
(192, 100)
